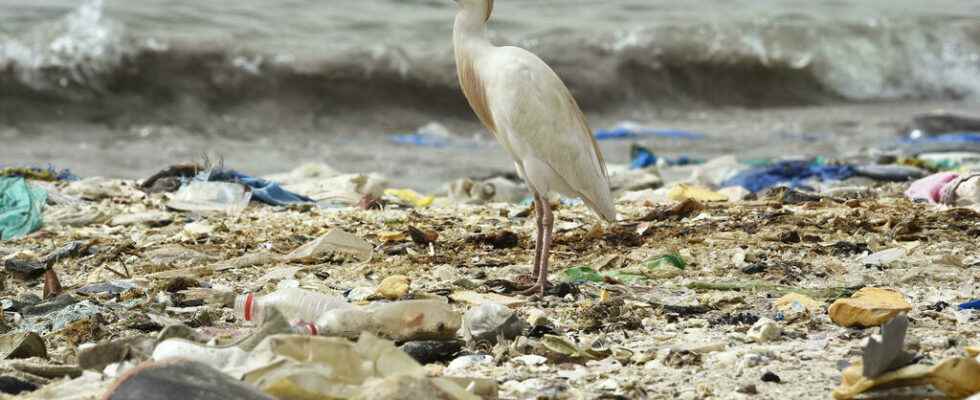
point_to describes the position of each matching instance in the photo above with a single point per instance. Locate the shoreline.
(360, 142)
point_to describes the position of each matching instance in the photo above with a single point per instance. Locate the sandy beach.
(293, 200)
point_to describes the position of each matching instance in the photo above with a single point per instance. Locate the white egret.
(533, 115)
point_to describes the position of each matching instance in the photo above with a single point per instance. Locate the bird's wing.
(528, 100)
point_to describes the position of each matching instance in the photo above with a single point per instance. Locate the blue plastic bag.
(790, 173)
(262, 190)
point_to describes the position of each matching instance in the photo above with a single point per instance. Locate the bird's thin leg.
(538, 215)
(548, 223)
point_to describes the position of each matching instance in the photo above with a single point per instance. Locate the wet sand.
(359, 142)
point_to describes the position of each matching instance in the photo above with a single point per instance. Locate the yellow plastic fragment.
(681, 192)
(410, 196)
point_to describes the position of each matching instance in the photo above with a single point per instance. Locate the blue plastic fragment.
(628, 133)
(419, 140)
(958, 137)
(790, 173)
(262, 190)
(641, 157)
(970, 305)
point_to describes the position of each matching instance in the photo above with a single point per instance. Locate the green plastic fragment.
(586, 274)
(582, 274)
(20, 207)
(667, 260)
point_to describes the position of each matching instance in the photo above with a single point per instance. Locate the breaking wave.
(87, 63)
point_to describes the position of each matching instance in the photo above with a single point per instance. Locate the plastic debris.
(885, 364)
(764, 330)
(641, 157)
(887, 354)
(790, 173)
(262, 190)
(432, 134)
(21, 207)
(335, 241)
(293, 303)
(488, 322)
(623, 331)
(884, 257)
(868, 307)
(632, 130)
(492, 190)
(930, 188)
(210, 197)
(287, 366)
(970, 305)
(788, 301)
(401, 321)
(394, 287)
(682, 192)
(409, 196)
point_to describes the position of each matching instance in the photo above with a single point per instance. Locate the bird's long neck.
(470, 33)
(470, 43)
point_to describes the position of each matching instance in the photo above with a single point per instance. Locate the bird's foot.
(538, 288)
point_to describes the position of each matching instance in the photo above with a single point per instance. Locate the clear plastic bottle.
(403, 320)
(294, 303)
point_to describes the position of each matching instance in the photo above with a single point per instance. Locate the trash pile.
(739, 279)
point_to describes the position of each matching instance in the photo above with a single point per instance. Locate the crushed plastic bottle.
(207, 197)
(294, 303)
(399, 321)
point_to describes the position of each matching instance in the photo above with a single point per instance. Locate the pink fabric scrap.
(930, 187)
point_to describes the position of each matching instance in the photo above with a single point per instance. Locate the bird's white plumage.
(531, 112)
(533, 115)
(540, 124)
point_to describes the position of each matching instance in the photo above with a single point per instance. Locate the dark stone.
(683, 310)
(104, 287)
(539, 331)
(748, 389)
(54, 304)
(736, 319)
(561, 289)
(754, 268)
(497, 240)
(12, 385)
(69, 250)
(432, 351)
(790, 237)
(770, 377)
(18, 304)
(24, 270)
(180, 379)
(22, 345)
(843, 248)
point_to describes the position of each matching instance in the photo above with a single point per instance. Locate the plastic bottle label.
(249, 299)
